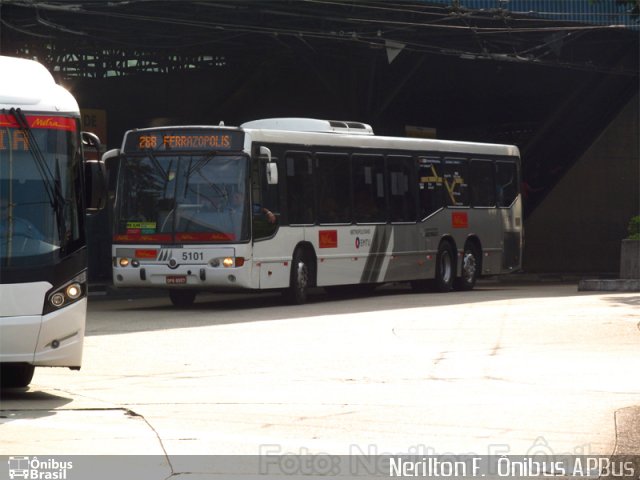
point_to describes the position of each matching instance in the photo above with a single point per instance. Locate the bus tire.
(470, 268)
(182, 298)
(16, 375)
(445, 267)
(298, 289)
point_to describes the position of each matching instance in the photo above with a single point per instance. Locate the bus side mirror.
(272, 167)
(109, 155)
(95, 185)
(90, 141)
(272, 173)
(266, 152)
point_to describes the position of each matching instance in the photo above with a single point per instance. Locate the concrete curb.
(615, 285)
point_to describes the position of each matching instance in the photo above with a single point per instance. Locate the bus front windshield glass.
(184, 199)
(40, 190)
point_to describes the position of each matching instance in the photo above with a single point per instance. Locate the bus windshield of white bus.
(186, 198)
(40, 188)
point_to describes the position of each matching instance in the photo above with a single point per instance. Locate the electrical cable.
(365, 31)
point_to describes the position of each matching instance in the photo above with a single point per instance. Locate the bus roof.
(308, 131)
(310, 125)
(265, 132)
(28, 85)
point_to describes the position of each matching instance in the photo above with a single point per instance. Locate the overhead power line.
(422, 28)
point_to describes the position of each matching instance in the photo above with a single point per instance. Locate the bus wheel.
(182, 298)
(470, 268)
(296, 294)
(15, 375)
(445, 268)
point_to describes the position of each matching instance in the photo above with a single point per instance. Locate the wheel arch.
(475, 241)
(310, 254)
(452, 243)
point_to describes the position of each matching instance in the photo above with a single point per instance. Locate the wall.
(578, 228)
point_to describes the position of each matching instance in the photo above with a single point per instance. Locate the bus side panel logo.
(328, 238)
(459, 220)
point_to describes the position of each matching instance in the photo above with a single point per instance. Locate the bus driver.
(237, 201)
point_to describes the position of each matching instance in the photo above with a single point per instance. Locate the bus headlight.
(66, 294)
(227, 262)
(57, 300)
(124, 262)
(74, 291)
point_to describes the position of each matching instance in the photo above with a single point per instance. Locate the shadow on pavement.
(119, 314)
(28, 403)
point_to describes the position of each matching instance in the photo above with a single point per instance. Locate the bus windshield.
(40, 190)
(183, 199)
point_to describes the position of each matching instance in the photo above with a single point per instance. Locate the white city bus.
(43, 257)
(295, 203)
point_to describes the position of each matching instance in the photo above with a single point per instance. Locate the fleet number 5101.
(192, 256)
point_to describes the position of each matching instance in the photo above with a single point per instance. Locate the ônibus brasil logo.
(38, 469)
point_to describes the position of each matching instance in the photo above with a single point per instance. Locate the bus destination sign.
(183, 140)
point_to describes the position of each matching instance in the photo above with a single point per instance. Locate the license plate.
(176, 279)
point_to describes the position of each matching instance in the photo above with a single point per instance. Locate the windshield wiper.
(158, 166)
(197, 169)
(52, 183)
(161, 171)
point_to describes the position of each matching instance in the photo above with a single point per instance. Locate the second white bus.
(295, 203)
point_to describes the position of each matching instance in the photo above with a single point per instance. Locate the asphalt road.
(506, 368)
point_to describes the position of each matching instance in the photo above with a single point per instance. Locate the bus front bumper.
(185, 276)
(53, 340)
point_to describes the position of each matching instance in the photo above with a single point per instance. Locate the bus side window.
(455, 182)
(334, 189)
(300, 191)
(483, 190)
(429, 185)
(402, 197)
(369, 203)
(506, 183)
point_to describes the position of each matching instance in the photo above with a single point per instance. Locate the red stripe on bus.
(41, 121)
(162, 237)
(204, 237)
